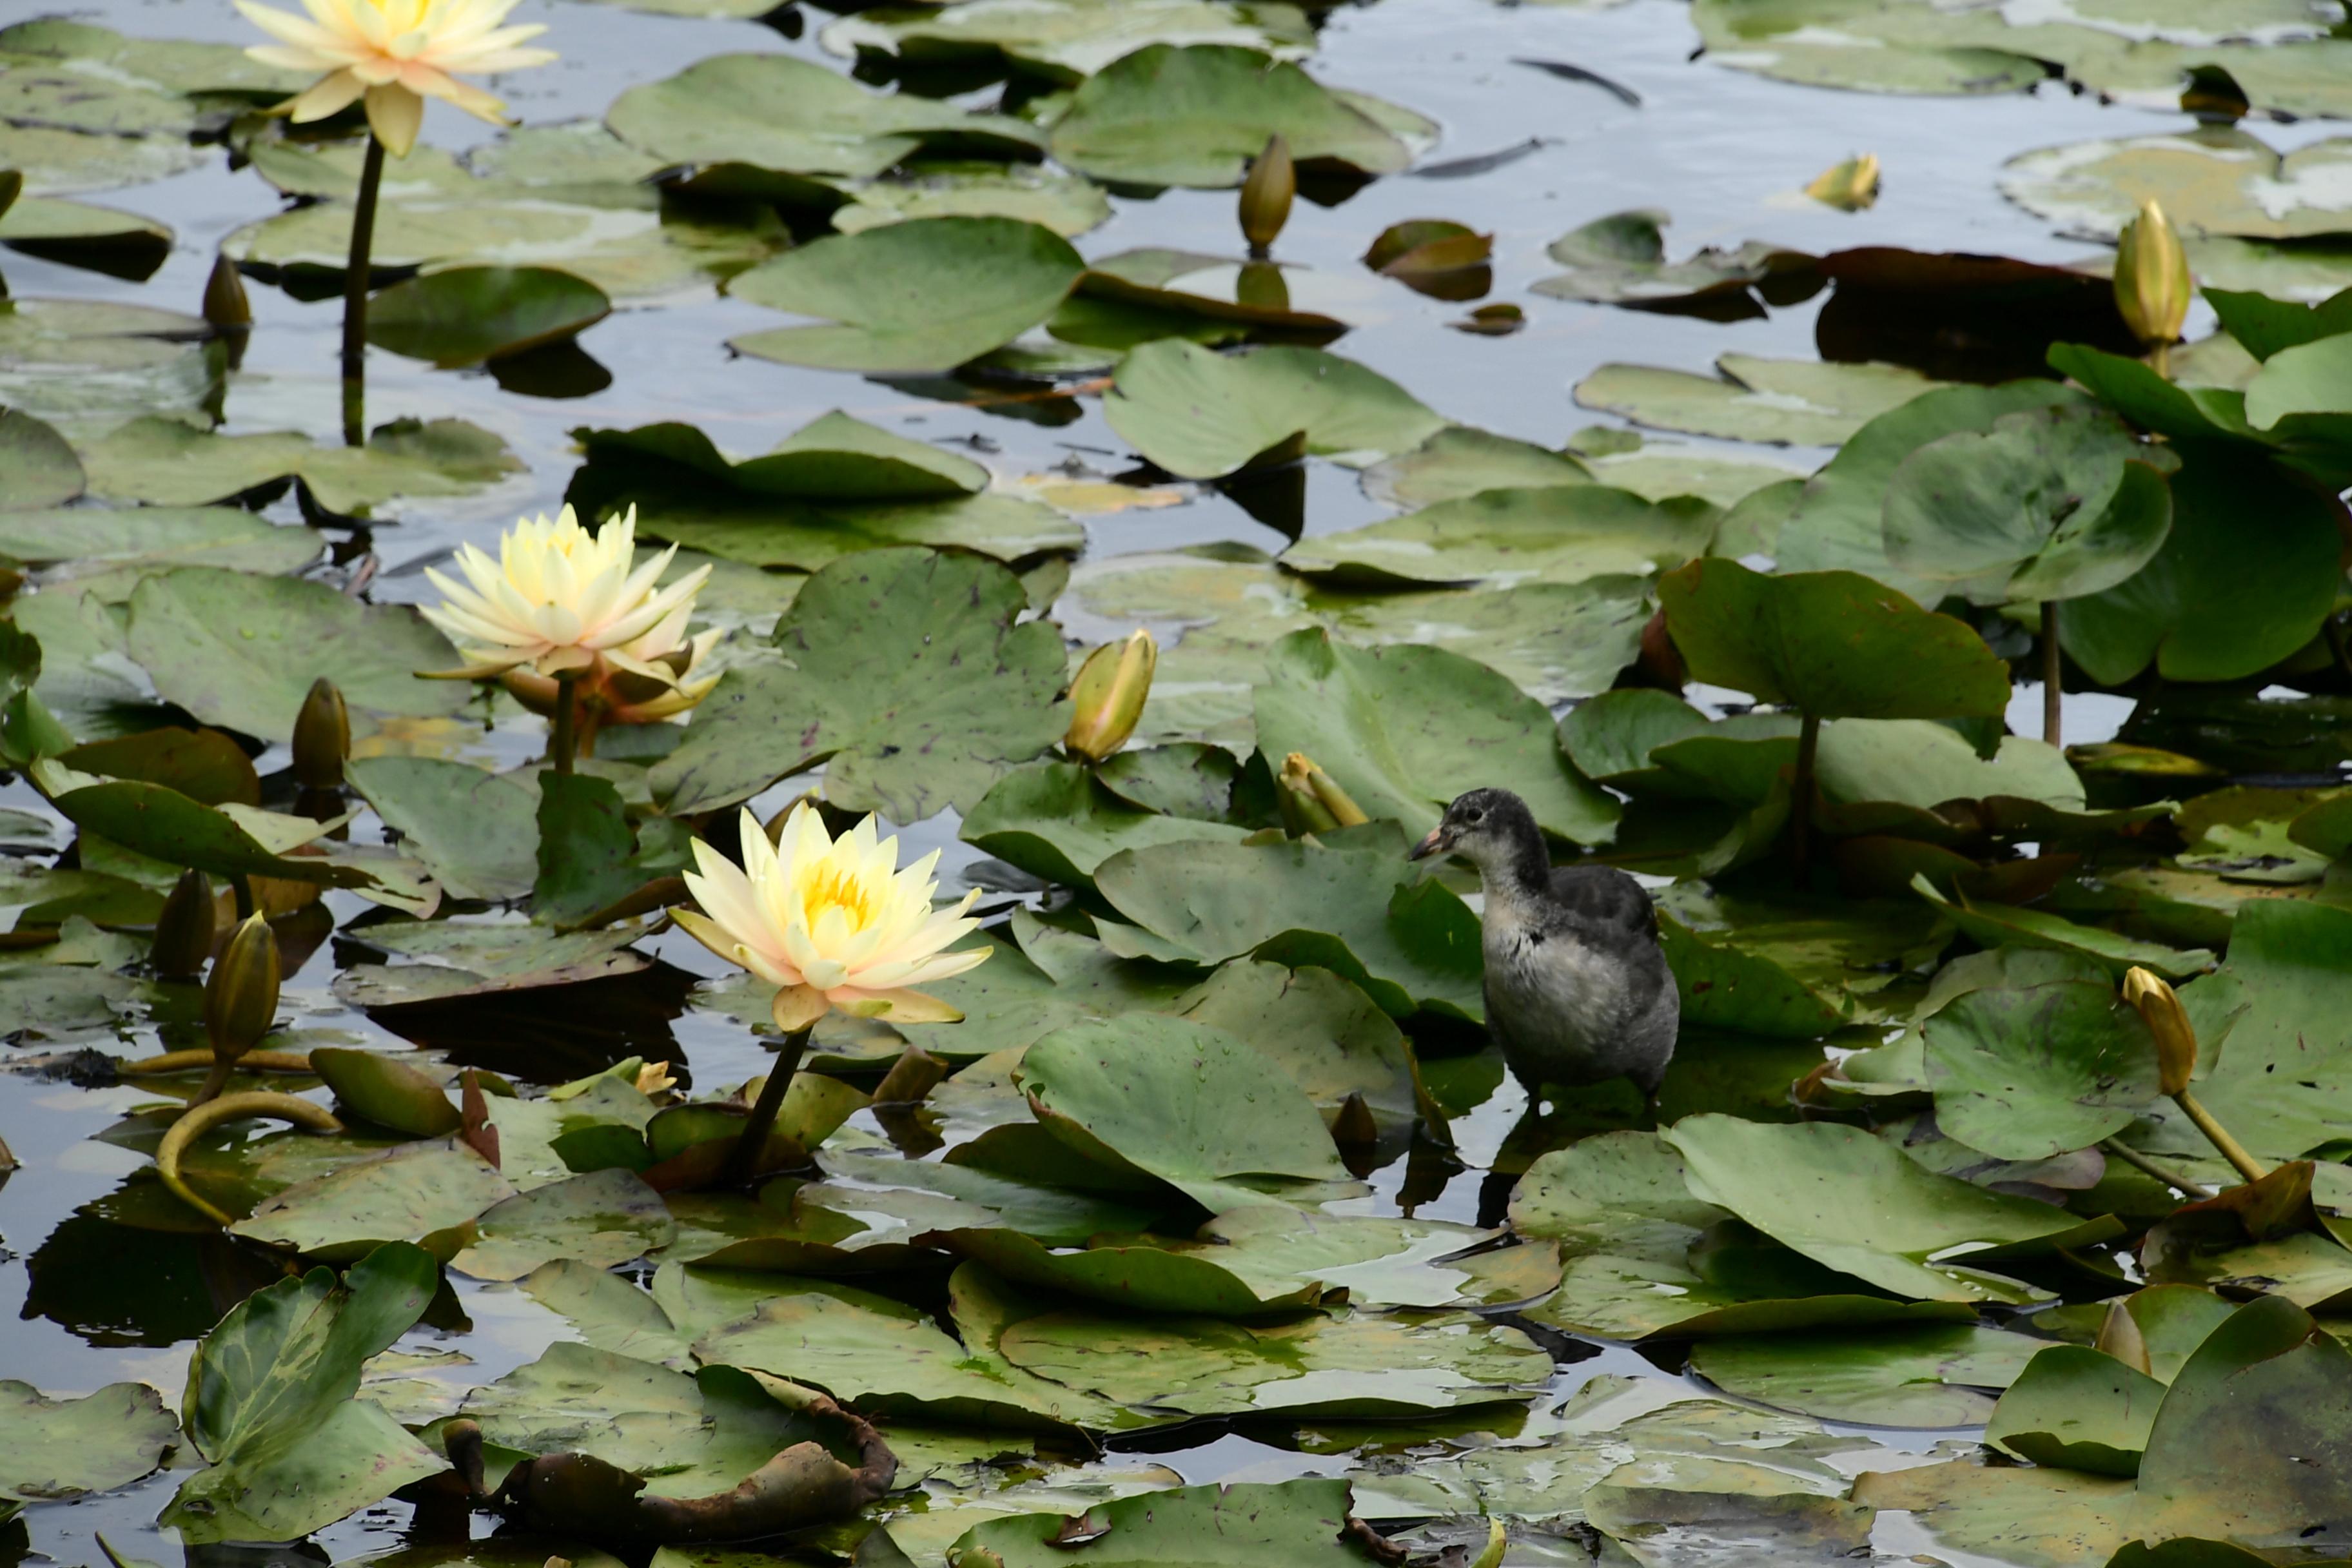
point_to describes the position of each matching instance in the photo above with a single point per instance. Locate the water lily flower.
(558, 602)
(396, 53)
(831, 922)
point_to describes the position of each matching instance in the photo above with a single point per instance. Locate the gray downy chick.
(1578, 990)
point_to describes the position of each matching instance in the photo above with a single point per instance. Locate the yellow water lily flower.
(396, 53)
(558, 600)
(831, 922)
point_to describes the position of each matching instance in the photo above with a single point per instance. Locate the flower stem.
(2171, 1178)
(2218, 1136)
(1801, 796)
(743, 1159)
(2053, 697)
(355, 297)
(2159, 359)
(562, 748)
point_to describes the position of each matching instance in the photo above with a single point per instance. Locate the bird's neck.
(1523, 871)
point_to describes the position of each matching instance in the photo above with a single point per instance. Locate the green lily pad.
(1188, 1103)
(1927, 1376)
(1789, 969)
(1621, 259)
(909, 675)
(2274, 1077)
(60, 161)
(1069, 205)
(1202, 414)
(1145, 1274)
(87, 365)
(1404, 730)
(1317, 1026)
(414, 1192)
(603, 1218)
(1998, 925)
(1057, 821)
(464, 960)
(2211, 180)
(159, 823)
(468, 314)
(476, 830)
(1302, 1522)
(2025, 1074)
(1854, 1202)
(1352, 906)
(242, 651)
(1196, 115)
(1831, 644)
(832, 457)
(270, 1404)
(60, 1449)
(1559, 533)
(80, 544)
(163, 462)
(796, 116)
(2078, 1409)
(1781, 401)
(923, 295)
(1458, 461)
(38, 468)
(1065, 40)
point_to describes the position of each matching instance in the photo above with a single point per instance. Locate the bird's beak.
(1438, 842)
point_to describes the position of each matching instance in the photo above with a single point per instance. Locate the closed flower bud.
(226, 306)
(322, 737)
(2120, 1337)
(1266, 195)
(241, 997)
(2152, 282)
(2176, 1040)
(1107, 699)
(1849, 186)
(184, 931)
(1311, 800)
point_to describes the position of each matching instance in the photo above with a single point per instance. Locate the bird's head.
(1486, 826)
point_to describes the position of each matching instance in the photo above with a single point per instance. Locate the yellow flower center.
(836, 888)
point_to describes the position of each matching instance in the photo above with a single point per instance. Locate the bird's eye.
(1473, 815)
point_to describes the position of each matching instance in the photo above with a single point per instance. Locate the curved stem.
(195, 1123)
(743, 1161)
(2141, 1162)
(2218, 1136)
(563, 747)
(2053, 696)
(188, 1061)
(355, 296)
(214, 1082)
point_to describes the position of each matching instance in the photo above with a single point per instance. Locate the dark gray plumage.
(1578, 990)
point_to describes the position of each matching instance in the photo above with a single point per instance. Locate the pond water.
(1726, 152)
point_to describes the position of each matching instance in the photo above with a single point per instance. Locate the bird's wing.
(1603, 895)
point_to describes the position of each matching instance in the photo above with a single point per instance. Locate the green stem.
(355, 296)
(2218, 1136)
(214, 1082)
(2160, 360)
(562, 749)
(2141, 1162)
(743, 1161)
(1800, 800)
(2053, 696)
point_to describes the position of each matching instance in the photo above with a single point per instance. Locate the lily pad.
(1781, 401)
(241, 651)
(163, 462)
(1559, 533)
(1065, 40)
(1057, 821)
(2079, 1408)
(420, 1192)
(38, 468)
(923, 295)
(1303, 1522)
(1404, 730)
(792, 115)
(1909, 1238)
(1621, 259)
(1928, 1376)
(1195, 115)
(1352, 906)
(270, 1404)
(2025, 1074)
(80, 544)
(908, 673)
(1202, 414)
(468, 314)
(602, 1219)
(87, 365)
(61, 1448)
(476, 830)
(466, 960)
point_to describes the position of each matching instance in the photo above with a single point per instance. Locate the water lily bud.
(2120, 1337)
(2152, 283)
(226, 306)
(1311, 800)
(322, 737)
(1849, 186)
(2176, 1040)
(1107, 699)
(241, 997)
(184, 931)
(1266, 195)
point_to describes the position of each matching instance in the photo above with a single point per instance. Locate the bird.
(1578, 989)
